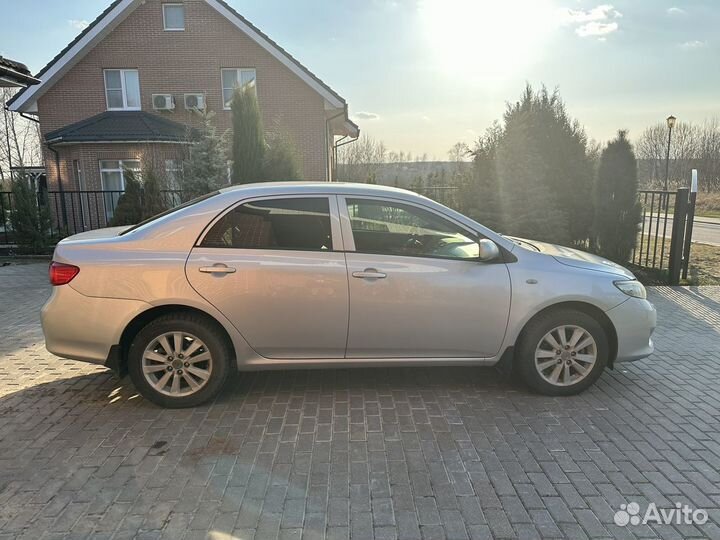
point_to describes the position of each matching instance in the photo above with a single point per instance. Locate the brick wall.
(187, 62)
(88, 211)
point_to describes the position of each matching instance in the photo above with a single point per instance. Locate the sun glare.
(486, 39)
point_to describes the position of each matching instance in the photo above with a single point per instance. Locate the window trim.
(238, 71)
(349, 239)
(123, 89)
(335, 232)
(121, 170)
(110, 194)
(173, 4)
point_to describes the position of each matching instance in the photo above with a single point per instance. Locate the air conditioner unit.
(163, 102)
(195, 102)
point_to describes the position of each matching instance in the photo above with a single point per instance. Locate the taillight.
(61, 273)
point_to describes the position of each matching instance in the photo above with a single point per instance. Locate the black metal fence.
(663, 242)
(650, 251)
(665, 233)
(71, 212)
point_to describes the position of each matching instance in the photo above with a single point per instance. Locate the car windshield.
(170, 211)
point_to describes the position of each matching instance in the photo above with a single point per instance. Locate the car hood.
(576, 258)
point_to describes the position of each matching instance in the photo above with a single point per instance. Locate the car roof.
(300, 187)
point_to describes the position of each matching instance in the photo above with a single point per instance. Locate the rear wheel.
(179, 360)
(562, 352)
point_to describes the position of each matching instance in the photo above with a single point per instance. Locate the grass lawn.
(704, 266)
(708, 205)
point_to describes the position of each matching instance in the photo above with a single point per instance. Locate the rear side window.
(297, 224)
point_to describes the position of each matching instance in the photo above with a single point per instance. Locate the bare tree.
(708, 155)
(20, 139)
(361, 160)
(692, 146)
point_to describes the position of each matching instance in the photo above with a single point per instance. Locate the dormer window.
(174, 17)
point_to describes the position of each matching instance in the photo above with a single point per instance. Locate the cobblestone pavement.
(381, 453)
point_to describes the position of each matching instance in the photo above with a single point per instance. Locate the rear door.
(275, 268)
(417, 287)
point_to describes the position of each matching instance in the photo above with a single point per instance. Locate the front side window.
(236, 78)
(294, 224)
(174, 17)
(122, 89)
(389, 228)
(113, 174)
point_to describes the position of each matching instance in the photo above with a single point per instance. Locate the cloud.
(595, 22)
(675, 11)
(596, 29)
(695, 44)
(78, 24)
(364, 115)
(599, 13)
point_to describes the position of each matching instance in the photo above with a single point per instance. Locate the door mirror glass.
(488, 250)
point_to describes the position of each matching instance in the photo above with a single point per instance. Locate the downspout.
(63, 208)
(328, 160)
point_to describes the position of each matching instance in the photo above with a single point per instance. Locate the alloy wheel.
(566, 355)
(177, 364)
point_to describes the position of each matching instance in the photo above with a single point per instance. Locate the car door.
(417, 287)
(275, 268)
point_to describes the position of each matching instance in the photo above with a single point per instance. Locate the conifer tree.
(248, 143)
(617, 208)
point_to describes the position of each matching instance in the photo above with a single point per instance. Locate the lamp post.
(670, 124)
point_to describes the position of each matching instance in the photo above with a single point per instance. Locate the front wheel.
(562, 352)
(179, 360)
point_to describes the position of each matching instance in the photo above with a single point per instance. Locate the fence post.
(689, 227)
(678, 235)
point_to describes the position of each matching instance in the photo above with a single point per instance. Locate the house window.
(174, 17)
(236, 78)
(112, 176)
(122, 89)
(173, 172)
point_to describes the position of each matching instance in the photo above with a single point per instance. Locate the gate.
(665, 232)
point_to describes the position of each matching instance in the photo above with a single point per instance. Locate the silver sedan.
(290, 275)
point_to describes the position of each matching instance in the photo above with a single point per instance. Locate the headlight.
(632, 288)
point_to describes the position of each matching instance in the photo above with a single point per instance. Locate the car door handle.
(218, 269)
(369, 273)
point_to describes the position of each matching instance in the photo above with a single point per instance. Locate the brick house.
(126, 87)
(14, 74)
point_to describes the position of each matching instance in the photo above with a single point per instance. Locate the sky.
(421, 75)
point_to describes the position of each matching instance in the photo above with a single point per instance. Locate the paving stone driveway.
(382, 453)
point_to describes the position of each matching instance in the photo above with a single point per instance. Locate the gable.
(118, 11)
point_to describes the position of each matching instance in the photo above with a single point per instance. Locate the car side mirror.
(488, 250)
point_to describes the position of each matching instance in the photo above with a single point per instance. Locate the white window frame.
(111, 198)
(238, 72)
(123, 89)
(173, 4)
(121, 169)
(173, 170)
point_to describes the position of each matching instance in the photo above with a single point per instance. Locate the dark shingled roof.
(122, 126)
(16, 71)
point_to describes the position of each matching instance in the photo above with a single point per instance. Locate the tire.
(570, 372)
(180, 377)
